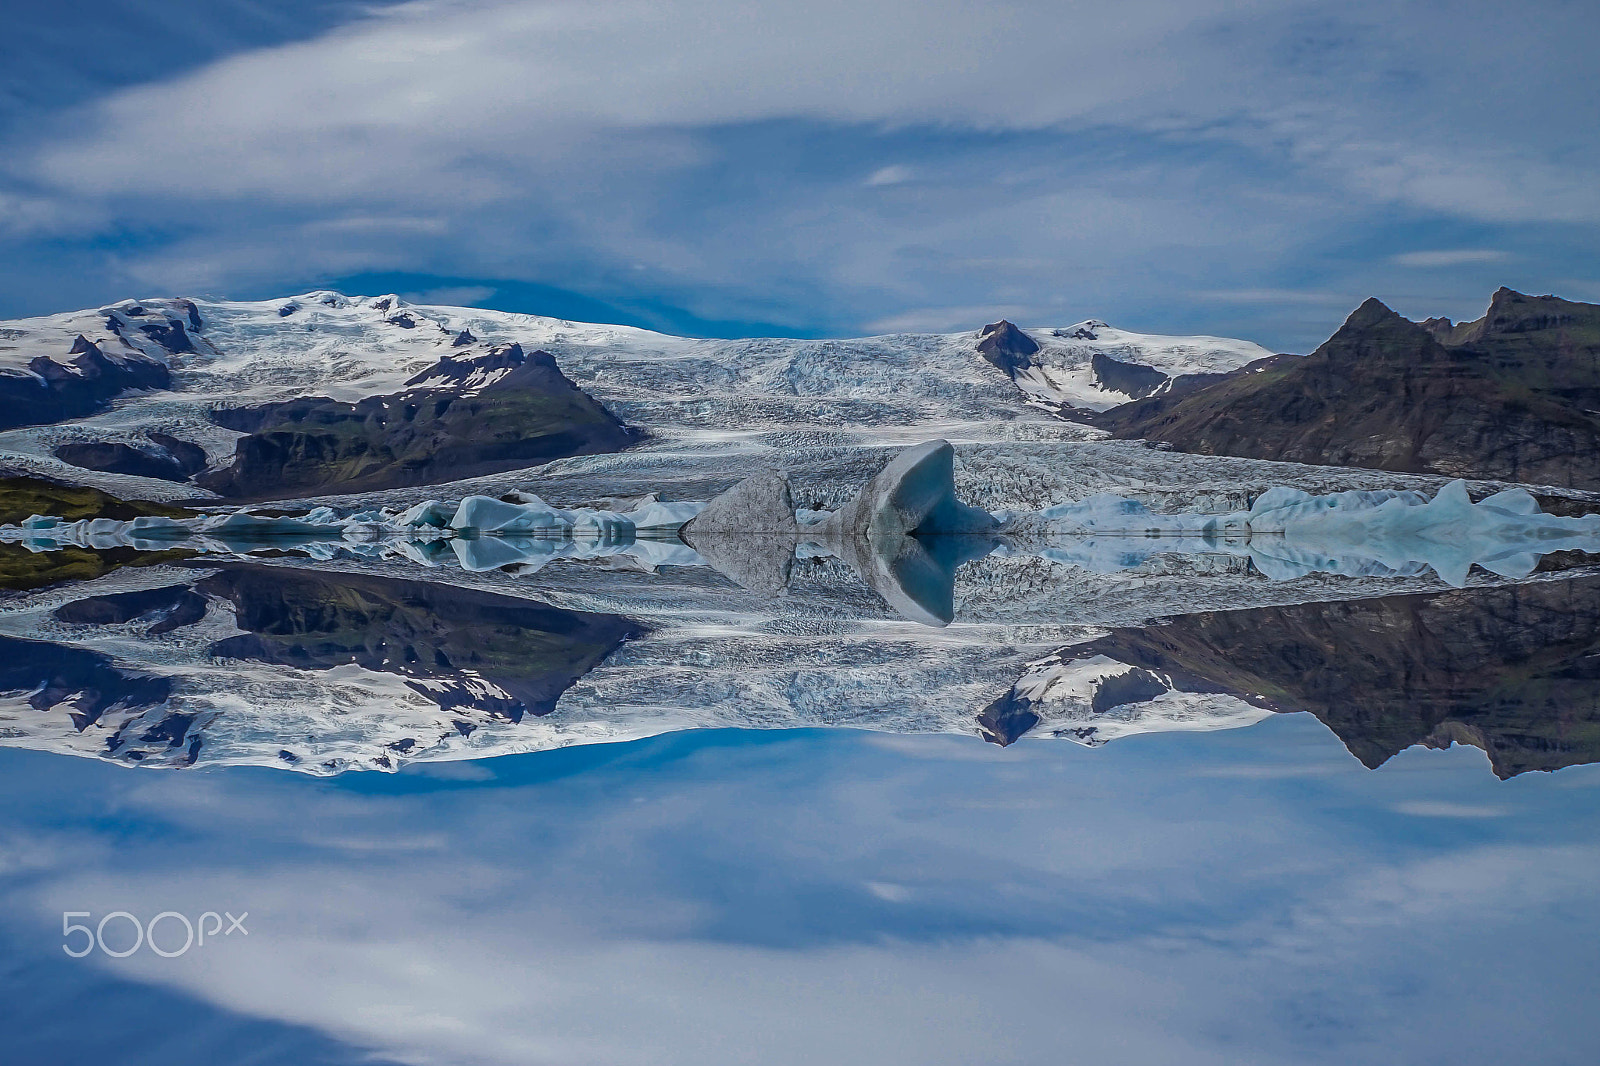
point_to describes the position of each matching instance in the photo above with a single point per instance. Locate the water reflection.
(1514, 671)
(325, 671)
(1230, 885)
(820, 896)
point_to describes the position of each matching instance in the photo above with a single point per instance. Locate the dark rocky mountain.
(119, 349)
(1006, 346)
(49, 675)
(463, 417)
(83, 382)
(159, 455)
(1514, 671)
(1513, 396)
(462, 648)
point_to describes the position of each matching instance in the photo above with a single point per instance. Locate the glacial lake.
(407, 816)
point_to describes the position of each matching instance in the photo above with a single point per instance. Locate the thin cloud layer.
(823, 167)
(1202, 899)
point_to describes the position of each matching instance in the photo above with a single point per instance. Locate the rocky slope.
(1092, 367)
(1514, 671)
(1513, 396)
(464, 417)
(69, 366)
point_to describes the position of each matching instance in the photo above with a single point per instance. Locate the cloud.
(453, 295)
(1275, 296)
(840, 897)
(1449, 257)
(730, 158)
(890, 175)
(1447, 809)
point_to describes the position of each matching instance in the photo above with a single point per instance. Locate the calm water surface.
(1255, 894)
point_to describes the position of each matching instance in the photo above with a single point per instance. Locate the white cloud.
(773, 903)
(890, 175)
(1449, 257)
(1275, 296)
(453, 296)
(1114, 156)
(1448, 809)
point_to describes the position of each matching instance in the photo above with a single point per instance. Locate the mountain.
(463, 417)
(1513, 396)
(1514, 671)
(340, 663)
(327, 670)
(1090, 366)
(322, 392)
(73, 365)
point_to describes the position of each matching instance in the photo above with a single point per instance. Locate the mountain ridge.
(1514, 395)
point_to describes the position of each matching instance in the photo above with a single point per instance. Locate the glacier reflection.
(326, 670)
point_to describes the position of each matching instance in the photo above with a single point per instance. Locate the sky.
(805, 896)
(1250, 168)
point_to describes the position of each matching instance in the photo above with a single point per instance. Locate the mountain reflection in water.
(323, 670)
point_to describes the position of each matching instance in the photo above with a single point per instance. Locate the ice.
(1288, 533)
(904, 534)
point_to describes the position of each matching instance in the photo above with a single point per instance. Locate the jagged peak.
(1006, 346)
(1372, 310)
(1514, 312)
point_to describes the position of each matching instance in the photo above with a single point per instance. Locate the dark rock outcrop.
(1513, 396)
(166, 609)
(466, 416)
(85, 383)
(166, 457)
(1132, 379)
(1005, 720)
(1006, 346)
(451, 638)
(1514, 670)
(190, 457)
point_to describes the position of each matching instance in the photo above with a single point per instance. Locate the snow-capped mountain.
(1090, 366)
(217, 363)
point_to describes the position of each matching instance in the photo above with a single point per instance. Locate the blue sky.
(1246, 168)
(815, 896)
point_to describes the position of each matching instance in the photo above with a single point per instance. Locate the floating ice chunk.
(1289, 534)
(477, 554)
(914, 494)
(658, 553)
(320, 522)
(156, 527)
(604, 527)
(1505, 533)
(657, 518)
(485, 514)
(430, 513)
(1512, 501)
